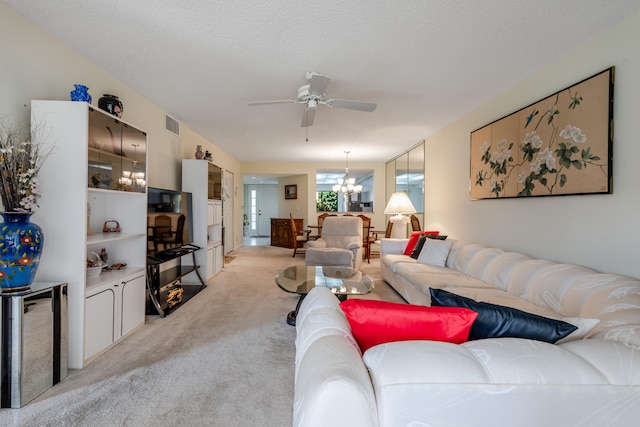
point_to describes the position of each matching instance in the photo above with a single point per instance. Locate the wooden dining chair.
(321, 218)
(415, 223)
(367, 237)
(376, 236)
(161, 229)
(298, 238)
(388, 230)
(175, 238)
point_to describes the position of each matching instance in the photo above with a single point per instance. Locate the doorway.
(227, 213)
(262, 206)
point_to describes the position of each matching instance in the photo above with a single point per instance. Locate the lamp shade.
(399, 203)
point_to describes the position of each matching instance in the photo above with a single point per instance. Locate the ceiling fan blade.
(318, 84)
(281, 101)
(351, 105)
(307, 117)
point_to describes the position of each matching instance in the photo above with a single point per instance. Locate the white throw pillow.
(584, 325)
(435, 252)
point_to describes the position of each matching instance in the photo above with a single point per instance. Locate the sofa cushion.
(391, 261)
(462, 254)
(423, 277)
(434, 252)
(498, 321)
(478, 265)
(375, 322)
(499, 270)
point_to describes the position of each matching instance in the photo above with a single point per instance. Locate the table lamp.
(399, 204)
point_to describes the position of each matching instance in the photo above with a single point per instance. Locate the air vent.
(172, 125)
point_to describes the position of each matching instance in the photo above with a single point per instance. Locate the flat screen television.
(174, 204)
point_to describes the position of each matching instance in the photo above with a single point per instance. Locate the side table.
(33, 342)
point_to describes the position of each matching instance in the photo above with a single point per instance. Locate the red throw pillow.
(377, 322)
(413, 239)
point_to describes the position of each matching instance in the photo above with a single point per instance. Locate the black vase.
(111, 104)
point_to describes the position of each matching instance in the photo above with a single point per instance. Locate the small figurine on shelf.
(199, 153)
(207, 156)
(103, 255)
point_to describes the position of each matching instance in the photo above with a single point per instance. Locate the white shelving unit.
(91, 151)
(197, 179)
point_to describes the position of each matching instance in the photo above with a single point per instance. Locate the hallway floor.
(256, 241)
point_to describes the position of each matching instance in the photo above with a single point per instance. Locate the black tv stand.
(165, 289)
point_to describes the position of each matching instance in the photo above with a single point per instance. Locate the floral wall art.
(557, 146)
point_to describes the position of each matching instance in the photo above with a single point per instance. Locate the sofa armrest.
(332, 384)
(329, 256)
(393, 246)
(332, 387)
(318, 243)
(354, 246)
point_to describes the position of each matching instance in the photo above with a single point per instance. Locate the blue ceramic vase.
(21, 244)
(81, 93)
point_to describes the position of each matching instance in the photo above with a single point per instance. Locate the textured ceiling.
(424, 62)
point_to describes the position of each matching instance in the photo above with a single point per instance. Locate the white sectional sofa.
(594, 381)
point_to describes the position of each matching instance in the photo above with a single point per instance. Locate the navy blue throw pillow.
(495, 321)
(418, 247)
(436, 236)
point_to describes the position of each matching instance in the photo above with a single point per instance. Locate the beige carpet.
(225, 358)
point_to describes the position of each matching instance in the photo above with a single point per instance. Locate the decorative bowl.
(94, 265)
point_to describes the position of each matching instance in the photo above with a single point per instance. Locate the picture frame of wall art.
(560, 145)
(291, 191)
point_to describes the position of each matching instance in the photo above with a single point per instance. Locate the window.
(328, 200)
(254, 210)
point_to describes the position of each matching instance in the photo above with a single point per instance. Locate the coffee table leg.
(291, 316)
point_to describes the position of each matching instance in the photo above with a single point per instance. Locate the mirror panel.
(415, 175)
(406, 173)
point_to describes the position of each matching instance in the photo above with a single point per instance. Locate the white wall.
(598, 231)
(36, 65)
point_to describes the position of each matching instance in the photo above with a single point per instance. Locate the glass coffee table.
(343, 281)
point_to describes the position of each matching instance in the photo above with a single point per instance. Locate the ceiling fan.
(315, 93)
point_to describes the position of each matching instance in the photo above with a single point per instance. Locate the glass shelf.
(98, 238)
(116, 151)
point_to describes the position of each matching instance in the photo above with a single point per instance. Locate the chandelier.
(346, 185)
(133, 179)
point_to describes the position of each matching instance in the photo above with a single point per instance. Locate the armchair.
(340, 243)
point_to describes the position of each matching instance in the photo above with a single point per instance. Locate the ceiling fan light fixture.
(303, 92)
(314, 93)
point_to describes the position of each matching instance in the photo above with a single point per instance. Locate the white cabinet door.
(218, 258)
(210, 213)
(217, 213)
(99, 322)
(133, 304)
(211, 263)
